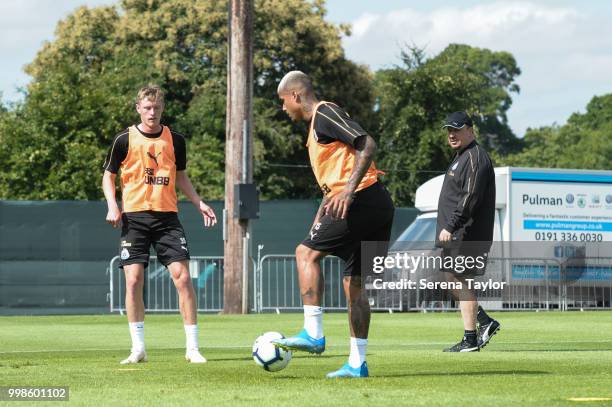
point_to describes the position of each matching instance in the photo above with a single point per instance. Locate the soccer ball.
(268, 356)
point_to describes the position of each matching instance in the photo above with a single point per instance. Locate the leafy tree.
(414, 99)
(84, 81)
(583, 142)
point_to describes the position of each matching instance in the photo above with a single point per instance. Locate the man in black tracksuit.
(466, 213)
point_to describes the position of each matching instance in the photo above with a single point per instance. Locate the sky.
(564, 48)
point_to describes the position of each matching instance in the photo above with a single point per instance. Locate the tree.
(414, 99)
(583, 142)
(84, 81)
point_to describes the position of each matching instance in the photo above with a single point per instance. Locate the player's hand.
(445, 236)
(210, 219)
(339, 204)
(114, 217)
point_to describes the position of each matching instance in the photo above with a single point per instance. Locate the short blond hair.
(296, 81)
(151, 92)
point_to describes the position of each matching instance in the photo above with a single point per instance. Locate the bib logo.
(154, 158)
(151, 179)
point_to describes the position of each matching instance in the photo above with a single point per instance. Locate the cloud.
(562, 51)
(24, 26)
(28, 23)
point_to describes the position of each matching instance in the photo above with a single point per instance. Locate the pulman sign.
(550, 205)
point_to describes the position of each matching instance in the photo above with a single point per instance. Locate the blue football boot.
(301, 341)
(349, 372)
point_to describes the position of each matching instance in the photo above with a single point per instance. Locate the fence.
(529, 284)
(51, 263)
(277, 277)
(159, 292)
(597, 294)
(510, 284)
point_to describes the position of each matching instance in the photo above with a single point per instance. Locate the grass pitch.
(537, 359)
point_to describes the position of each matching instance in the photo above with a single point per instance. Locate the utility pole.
(238, 156)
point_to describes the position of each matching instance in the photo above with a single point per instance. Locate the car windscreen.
(420, 234)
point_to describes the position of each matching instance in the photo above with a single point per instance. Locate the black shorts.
(163, 230)
(370, 218)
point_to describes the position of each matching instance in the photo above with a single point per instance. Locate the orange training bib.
(148, 173)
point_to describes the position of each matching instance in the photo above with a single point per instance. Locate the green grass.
(538, 359)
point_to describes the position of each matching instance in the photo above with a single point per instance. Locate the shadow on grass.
(229, 359)
(554, 350)
(479, 373)
(301, 356)
(420, 374)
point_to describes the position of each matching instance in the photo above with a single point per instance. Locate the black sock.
(482, 317)
(470, 337)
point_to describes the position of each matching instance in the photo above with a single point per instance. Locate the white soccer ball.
(268, 356)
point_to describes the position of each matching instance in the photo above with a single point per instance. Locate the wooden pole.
(238, 138)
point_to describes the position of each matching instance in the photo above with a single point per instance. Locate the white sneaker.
(194, 356)
(135, 357)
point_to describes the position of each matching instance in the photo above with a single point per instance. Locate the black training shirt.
(466, 207)
(332, 123)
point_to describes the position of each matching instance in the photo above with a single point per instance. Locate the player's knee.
(133, 283)
(353, 282)
(353, 289)
(183, 281)
(302, 253)
(306, 254)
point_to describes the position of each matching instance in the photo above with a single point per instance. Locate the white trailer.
(540, 213)
(534, 204)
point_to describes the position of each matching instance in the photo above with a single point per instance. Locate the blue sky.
(564, 48)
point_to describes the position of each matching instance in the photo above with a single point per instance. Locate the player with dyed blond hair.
(355, 208)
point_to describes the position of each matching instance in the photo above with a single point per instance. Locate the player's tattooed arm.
(365, 149)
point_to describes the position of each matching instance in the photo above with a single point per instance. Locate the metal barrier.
(587, 283)
(533, 283)
(159, 292)
(277, 278)
(279, 289)
(530, 284)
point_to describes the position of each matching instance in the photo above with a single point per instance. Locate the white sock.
(191, 336)
(358, 352)
(137, 334)
(313, 321)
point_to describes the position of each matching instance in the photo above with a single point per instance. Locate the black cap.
(458, 120)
